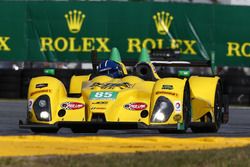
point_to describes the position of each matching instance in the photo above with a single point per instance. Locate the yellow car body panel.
(136, 91)
(202, 94)
(76, 83)
(174, 94)
(57, 94)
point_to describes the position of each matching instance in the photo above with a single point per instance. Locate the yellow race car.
(113, 99)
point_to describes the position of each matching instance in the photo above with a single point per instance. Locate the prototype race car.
(111, 98)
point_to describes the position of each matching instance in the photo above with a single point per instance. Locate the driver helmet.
(110, 68)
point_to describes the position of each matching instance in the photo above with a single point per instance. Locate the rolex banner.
(68, 31)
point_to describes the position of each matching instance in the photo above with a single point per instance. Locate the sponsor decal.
(41, 85)
(121, 85)
(4, 46)
(100, 102)
(97, 108)
(135, 106)
(72, 105)
(75, 19)
(163, 22)
(103, 95)
(168, 87)
(167, 93)
(41, 91)
(177, 106)
(177, 117)
(30, 104)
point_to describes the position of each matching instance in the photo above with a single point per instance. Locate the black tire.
(44, 130)
(186, 112)
(186, 107)
(218, 104)
(87, 130)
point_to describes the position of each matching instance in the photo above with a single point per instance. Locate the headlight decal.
(162, 110)
(42, 108)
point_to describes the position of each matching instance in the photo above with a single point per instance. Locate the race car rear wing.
(170, 57)
(182, 63)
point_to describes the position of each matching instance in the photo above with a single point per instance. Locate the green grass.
(227, 157)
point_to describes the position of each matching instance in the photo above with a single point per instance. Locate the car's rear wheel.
(44, 130)
(212, 127)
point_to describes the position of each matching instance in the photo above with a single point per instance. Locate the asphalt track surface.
(11, 111)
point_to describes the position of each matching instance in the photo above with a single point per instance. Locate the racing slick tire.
(218, 103)
(44, 130)
(186, 112)
(186, 107)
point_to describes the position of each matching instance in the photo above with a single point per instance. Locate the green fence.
(68, 31)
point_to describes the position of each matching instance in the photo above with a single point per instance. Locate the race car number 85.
(103, 95)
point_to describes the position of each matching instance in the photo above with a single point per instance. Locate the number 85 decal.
(103, 95)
